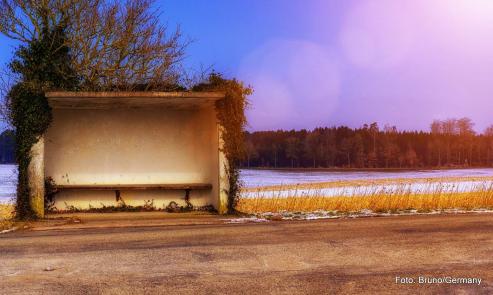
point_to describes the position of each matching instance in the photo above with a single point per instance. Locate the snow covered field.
(8, 176)
(260, 178)
(366, 190)
(287, 182)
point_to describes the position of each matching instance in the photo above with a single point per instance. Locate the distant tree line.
(7, 147)
(448, 143)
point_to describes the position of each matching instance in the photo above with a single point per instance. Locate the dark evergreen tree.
(42, 65)
(7, 146)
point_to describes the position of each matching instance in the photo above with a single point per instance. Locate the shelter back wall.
(132, 146)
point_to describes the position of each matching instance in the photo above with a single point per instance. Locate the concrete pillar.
(223, 177)
(36, 178)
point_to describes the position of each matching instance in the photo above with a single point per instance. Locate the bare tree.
(292, 149)
(465, 126)
(436, 127)
(449, 126)
(489, 131)
(115, 45)
(437, 130)
(374, 131)
(7, 79)
(411, 157)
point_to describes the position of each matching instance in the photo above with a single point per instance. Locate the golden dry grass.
(6, 215)
(367, 182)
(377, 200)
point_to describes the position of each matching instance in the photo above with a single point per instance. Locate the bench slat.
(167, 186)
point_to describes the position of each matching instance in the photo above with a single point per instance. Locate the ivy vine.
(45, 65)
(41, 65)
(232, 118)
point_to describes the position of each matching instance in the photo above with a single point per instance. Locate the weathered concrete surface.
(223, 178)
(82, 221)
(117, 138)
(310, 257)
(37, 177)
(133, 99)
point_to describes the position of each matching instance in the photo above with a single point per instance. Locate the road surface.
(207, 256)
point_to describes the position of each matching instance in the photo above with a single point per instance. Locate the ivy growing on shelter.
(41, 65)
(231, 116)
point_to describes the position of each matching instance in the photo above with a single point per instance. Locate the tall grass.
(6, 216)
(371, 182)
(431, 196)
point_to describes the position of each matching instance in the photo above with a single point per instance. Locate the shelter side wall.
(132, 146)
(36, 178)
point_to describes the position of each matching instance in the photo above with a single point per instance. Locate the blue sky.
(316, 63)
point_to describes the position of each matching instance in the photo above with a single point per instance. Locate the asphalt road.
(350, 256)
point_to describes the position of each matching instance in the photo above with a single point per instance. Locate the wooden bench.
(187, 187)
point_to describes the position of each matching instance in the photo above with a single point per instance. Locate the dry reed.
(6, 215)
(366, 182)
(433, 196)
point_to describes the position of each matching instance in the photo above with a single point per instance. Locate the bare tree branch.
(7, 79)
(115, 45)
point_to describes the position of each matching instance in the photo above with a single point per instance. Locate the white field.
(8, 178)
(261, 178)
(256, 180)
(366, 190)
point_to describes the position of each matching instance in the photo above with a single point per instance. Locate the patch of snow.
(363, 213)
(252, 219)
(8, 230)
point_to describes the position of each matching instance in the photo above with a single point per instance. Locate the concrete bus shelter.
(103, 148)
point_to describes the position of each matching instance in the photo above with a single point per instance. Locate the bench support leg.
(187, 199)
(117, 196)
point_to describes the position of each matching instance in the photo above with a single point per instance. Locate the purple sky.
(316, 63)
